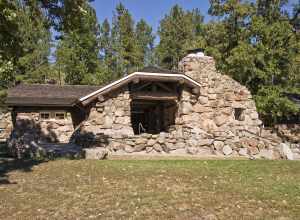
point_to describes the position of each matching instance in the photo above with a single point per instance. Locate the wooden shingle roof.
(47, 95)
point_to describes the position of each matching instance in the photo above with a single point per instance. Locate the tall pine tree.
(145, 43)
(78, 48)
(176, 31)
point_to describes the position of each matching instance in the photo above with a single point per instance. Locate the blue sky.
(151, 10)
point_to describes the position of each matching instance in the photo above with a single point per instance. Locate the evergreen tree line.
(61, 41)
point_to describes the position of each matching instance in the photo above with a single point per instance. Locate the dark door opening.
(152, 117)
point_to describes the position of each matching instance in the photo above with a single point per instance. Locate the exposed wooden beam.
(164, 87)
(154, 87)
(142, 86)
(159, 96)
(151, 78)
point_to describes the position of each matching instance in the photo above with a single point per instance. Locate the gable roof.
(151, 76)
(70, 95)
(47, 95)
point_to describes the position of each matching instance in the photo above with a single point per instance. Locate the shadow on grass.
(10, 164)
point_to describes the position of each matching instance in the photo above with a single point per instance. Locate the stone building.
(197, 111)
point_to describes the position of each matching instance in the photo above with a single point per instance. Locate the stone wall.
(206, 124)
(110, 118)
(289, 132)
(222, 120)
(5, 126)
(52, 130)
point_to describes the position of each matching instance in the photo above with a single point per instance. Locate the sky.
(152, 10)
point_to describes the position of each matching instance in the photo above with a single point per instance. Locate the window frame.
(44, 119)
(57, 117)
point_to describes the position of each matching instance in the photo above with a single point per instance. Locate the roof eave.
(137, 74)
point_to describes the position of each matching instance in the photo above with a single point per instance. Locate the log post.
(181, 81)
(196, 91)
(101, 98)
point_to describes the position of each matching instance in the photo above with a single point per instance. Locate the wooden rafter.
(159, 96)
(165, 87)
(142, 86)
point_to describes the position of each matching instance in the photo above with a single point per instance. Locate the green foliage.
(25, 40)
(144, 40)
(123, 41)
(176, 31)
(6, 73)
(6, 79)
(273, 106)
(77, 51)
(257, 45)
(125, 47)
(9, 30)
(33, 65)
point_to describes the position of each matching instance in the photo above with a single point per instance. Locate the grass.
(152, 189)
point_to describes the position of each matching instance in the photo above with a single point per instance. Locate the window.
(51, 115)
(44, 115)
(239, 114)
(60, 115)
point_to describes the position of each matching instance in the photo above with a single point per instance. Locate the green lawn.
(151, 189)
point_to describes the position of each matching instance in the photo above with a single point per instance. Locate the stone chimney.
(197, 64)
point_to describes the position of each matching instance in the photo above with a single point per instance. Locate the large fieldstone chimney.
(197, 64)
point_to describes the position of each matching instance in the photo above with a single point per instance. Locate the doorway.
(153, 117)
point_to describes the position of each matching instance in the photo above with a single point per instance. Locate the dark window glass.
(45, 115)
(60, 115)
(238, 114)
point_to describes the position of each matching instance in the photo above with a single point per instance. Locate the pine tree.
(33, 66)
(271, 10)
(145, 43)
(123, 42)
(24, 43)
(234, 19)
(295, 19)
(176, 31)
(78, 49)
(106, 51)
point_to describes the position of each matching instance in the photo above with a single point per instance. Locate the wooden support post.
(154, 88)
(196, 91)
(101, 98)
(14, 115)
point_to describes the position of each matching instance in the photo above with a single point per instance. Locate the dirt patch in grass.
(156, 189)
